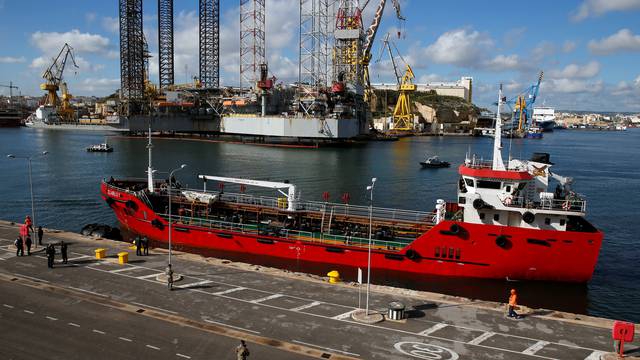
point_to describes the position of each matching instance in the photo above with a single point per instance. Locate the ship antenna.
(497, 138)
(150, 168)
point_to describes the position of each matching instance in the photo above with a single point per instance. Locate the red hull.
(471, 252)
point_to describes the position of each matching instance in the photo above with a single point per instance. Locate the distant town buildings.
(462, 88)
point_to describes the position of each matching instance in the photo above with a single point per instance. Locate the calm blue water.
(603, 164)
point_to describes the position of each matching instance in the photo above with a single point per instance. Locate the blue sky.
(588, 49)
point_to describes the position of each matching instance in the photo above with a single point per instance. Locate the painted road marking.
(29, 312)
(344, 316)
(153, 307)
(145, 277)
(152, 347)
(596, 355)
(481, 338)
(73, 324)
(124, 339)
(231, 326)
(326, 348)
(186, 286)
(32, 278)
(433, 329)
(228, 291)
(7, 306)
(270, 297)
(306, 306)
(99, 332)
(79, 257)
(183, 356)
(425, 351)
(51, 318)
(535, 347)
(87, 291)
(125, 269)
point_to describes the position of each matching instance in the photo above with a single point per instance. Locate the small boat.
(104, 147)
(434, 162)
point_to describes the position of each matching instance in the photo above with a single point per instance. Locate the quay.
(101, 309)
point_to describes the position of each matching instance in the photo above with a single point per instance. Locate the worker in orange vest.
(513, 303)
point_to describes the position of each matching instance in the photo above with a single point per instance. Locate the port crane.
(402, 113)
(10, 87)
(53, 82)
(523, 107)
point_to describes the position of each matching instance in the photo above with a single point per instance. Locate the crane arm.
(375, 24)
(53, 74)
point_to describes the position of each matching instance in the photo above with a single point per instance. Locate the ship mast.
(149, 168)
(497, 137)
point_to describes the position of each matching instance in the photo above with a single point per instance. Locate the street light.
(370, 189)
(33, 208)
(170, 212)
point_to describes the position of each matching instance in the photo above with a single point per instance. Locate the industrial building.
(462, 88)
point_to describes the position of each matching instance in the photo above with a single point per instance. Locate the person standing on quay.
(51, 252)
(513, 303)
(145, 246)
(28, 243)
(63, 251)
(19, 248)
(169, 274)
(138, 246)
(40, 234)
(242, 352)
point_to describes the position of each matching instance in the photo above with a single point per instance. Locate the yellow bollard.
(334, 277)
(101, 253)
(123, 257)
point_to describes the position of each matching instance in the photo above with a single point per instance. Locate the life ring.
(508, 200)
(478, 204)
(566, 205)
(412, 254)
(528, 217)
(502, 241)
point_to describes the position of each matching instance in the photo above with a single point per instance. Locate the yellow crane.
(53, 83)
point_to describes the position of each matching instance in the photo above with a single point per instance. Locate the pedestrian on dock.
(51, 253)
(145, 246)
(242, 352)
(19, 248)
(138, 246)
(40, 234)
(63, 251)
(169, 273)
(513, 304)
(28, 243)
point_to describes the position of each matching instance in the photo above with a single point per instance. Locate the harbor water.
(603, 164)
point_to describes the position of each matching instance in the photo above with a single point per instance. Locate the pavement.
(102, 309)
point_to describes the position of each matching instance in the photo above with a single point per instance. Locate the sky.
(589, 50)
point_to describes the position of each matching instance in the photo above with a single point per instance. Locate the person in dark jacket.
(40, 234)
(19, 248)
(242, 352)
(145, 245)
(63, 251)
(28, 243)
(51, 253)
(138, 246)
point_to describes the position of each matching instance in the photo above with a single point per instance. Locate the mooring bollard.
(396, 311)
(101, 253)
(123, 257)
(334, 277)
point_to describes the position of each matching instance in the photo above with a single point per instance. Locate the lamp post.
(33, 208)
(370, 189)
(170, 212)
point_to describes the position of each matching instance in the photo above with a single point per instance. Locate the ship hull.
(470, 251)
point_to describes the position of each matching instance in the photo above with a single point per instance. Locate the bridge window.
(486, 184)
(469, 182)
(481, 216)
(547, 221)
(562, 222)
(496, 217)
(507, 188)
(462, 200)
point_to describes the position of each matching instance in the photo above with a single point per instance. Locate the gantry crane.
(53, 77)
(402, 113)
(523, 107)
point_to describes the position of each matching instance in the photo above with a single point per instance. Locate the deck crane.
(370, 36)
(402, 113)
(53, 83)
(523, 107)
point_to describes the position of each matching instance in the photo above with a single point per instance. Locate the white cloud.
(97, 85)
(513, 36)
(52, 42)
(591, 8)
(90, 17)
(574, 86)
(623, 40)
(575, 71)
(111, 24)
(12, 59)
(569, 46)
(505, 63)
(542, 50)
(637, 81)
(459, 47)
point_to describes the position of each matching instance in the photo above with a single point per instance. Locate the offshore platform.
(328, 103)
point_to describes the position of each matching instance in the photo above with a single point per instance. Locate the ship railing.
(571, 204)
(378, 213)
(289, 234)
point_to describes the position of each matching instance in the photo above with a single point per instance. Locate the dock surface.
(100, 309)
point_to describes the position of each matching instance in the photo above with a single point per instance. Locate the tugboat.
(434, 162)
(104, 147)
(502, 224)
